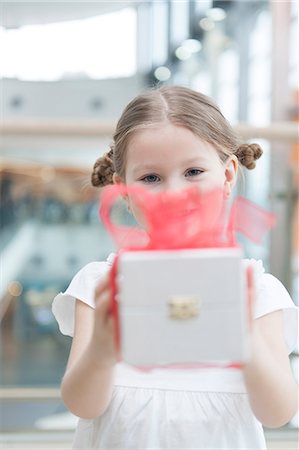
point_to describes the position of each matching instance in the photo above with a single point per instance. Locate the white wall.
(67, 98)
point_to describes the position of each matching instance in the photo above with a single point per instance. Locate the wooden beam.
(286, 131)
(57, 128)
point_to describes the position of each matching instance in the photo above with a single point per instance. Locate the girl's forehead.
(163, 132)
(157, 154)
(168, 141)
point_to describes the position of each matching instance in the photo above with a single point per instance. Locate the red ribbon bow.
(185, 219)
(181, 220)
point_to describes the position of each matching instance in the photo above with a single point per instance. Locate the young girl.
(168, 139)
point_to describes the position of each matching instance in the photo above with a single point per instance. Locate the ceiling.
(15, 14)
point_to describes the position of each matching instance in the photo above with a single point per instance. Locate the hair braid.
(103, 169)
(247, 154)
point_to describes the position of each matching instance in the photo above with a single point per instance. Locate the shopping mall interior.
(67, 71)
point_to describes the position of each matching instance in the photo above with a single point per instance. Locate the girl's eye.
(150, 179)
(193, 172)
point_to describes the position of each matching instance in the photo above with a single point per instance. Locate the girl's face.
(170, 157)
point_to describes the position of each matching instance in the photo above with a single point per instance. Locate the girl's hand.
(250, 296)
(103, 337)
(253, 325)
(270, 384)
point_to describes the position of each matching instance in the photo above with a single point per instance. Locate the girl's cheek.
(210, 183)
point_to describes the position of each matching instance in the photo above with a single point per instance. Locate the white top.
(175, 409)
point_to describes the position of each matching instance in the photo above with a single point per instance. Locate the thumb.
(250, 293)
(103, 305)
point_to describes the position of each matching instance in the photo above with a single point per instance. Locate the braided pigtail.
(247, 154)
(103, 169)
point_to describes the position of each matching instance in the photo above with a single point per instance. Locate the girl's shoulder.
(270, 292)
(81, 287)
(271, 295)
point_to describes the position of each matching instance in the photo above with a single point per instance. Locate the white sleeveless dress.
(174, 409)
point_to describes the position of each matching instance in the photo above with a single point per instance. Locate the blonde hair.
(179, 106)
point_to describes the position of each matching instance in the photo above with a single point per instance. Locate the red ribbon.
(185, 219)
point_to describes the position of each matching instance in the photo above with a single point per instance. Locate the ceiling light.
(162, 73)
(216, 14)
(207, 24)
(183, 53)
(193, 45)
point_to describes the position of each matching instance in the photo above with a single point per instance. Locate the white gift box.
(182, 307)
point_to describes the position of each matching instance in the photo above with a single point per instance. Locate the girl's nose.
(175, 185)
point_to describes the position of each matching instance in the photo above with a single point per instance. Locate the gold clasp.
(183, 307)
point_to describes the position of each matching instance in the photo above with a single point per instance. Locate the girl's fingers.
(250, 293)
(111, 329)
(111, 324)
(103, 285)
(103, 305)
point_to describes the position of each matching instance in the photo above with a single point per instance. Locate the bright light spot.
(207, 24)
(98, 47)
(193, 45)
(162, 73)
(216, 14)
(33, 297)
(15, 288)
(183, 53)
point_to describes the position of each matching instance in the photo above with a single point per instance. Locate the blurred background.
(67, 70)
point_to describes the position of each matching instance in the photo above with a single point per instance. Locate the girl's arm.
(273, 392)
(87, 384)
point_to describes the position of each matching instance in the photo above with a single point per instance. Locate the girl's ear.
(231, 169)
(116, 179)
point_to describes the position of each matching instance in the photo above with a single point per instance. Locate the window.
(259, 89)
(98, 47)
